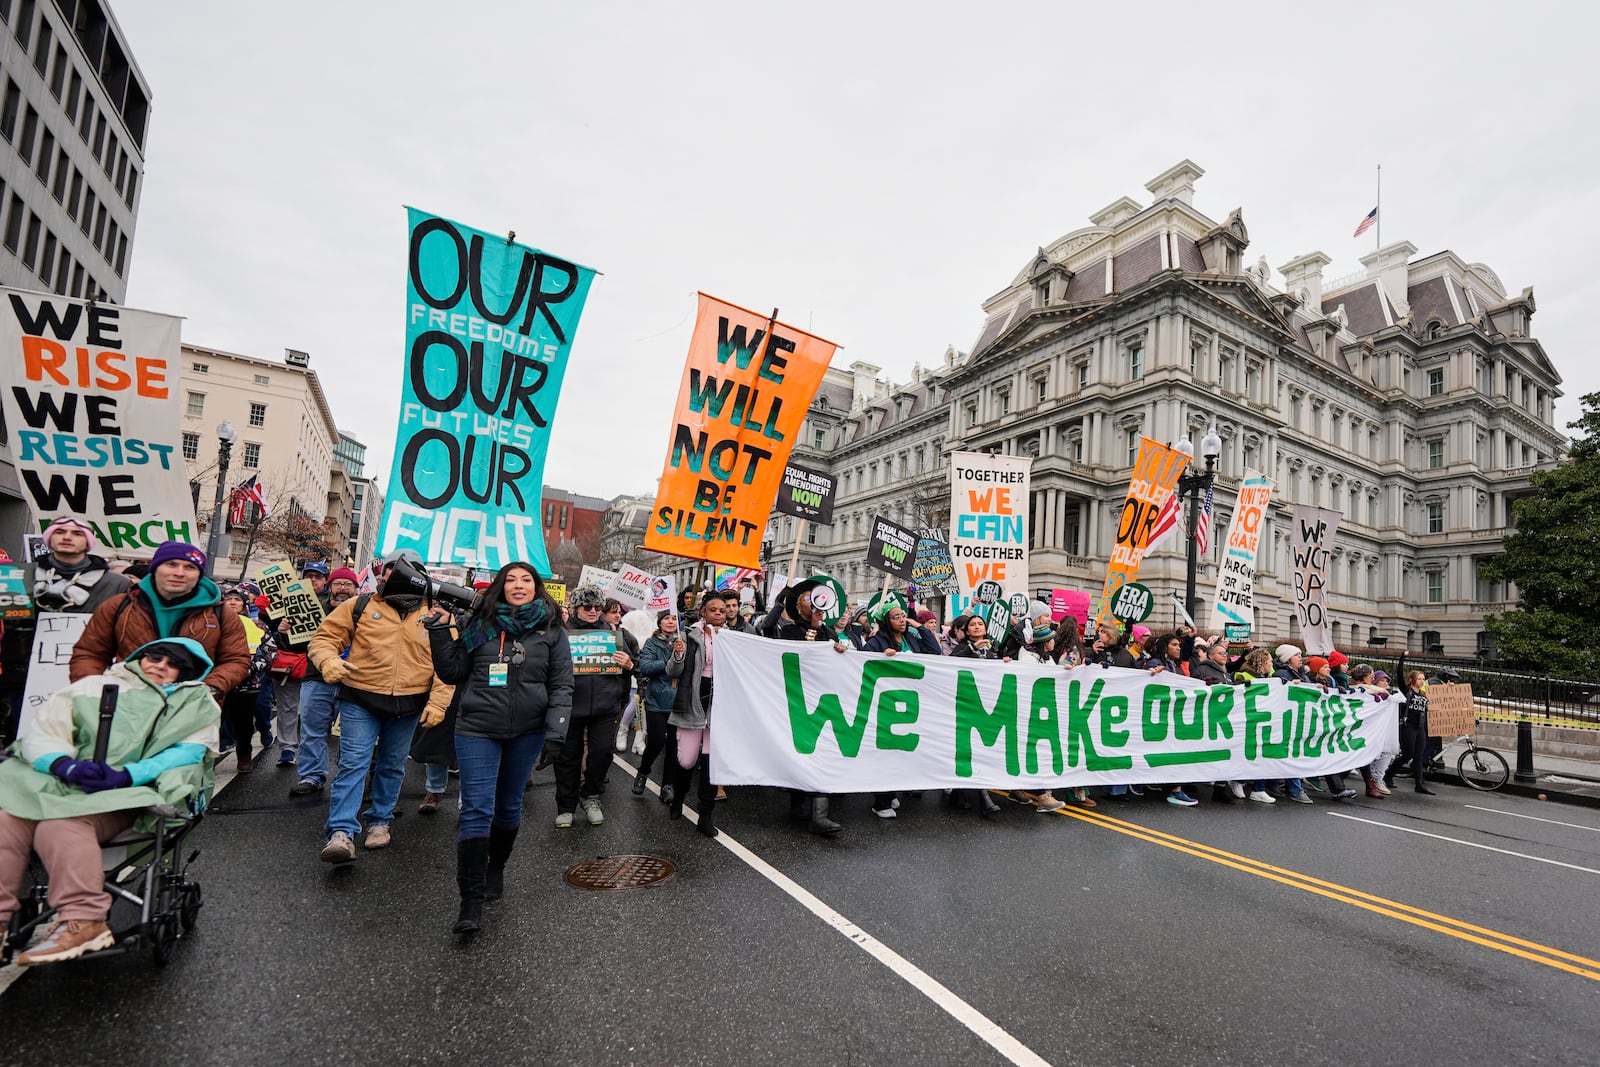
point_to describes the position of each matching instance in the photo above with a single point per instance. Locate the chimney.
(864, 385)
(1388, 265)
(1115, 212)
(1175, 183)
(1305, 272)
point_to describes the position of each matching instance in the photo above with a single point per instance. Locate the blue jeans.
(361, 734)
(316, 720)
(435, 777)
(493, 775)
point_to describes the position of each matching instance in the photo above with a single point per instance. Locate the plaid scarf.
(516, 621)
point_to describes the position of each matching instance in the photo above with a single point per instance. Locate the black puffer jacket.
(537, 694)
(597, 695)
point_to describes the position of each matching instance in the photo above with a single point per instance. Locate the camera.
(408, 579)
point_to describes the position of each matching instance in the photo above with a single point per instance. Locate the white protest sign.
(988, 523)
(92, 396)
(1310, 540)
(663, 595)
(596, 577)
(799, 715)
(53, 637)
(630, 587)
(1235, 600)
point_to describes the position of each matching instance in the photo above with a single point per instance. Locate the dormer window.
(1435, 330)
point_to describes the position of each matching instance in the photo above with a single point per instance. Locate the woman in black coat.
(512, 670)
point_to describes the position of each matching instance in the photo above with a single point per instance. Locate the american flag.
(248, 492)
(1367, 223)
(1202, 523)
(1167, 520)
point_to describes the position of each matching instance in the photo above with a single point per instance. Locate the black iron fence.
(1515, 690)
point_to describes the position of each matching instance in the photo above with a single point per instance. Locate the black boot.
(472, 858)
(679, 777)
(501, 842)
(708, 799)
(820, 823)
(799, 804)
(1220, 794)
(640, 780)
(986, 805)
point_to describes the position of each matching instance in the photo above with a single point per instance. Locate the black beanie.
(189, 667)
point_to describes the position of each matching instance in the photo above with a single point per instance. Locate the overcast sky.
(876, 176)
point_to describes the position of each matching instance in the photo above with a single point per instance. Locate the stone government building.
(1411, 397)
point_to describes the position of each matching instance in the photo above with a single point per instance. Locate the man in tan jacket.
(386, 684)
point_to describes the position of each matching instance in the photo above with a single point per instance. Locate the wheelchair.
(154, 902)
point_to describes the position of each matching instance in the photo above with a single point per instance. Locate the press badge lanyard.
(498, 671)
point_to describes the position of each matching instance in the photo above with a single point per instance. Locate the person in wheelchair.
(57, 800)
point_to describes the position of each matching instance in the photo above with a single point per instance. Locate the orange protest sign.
(1155, 476)
(746, 386)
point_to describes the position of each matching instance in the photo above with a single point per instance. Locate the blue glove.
(78, 772)
(65, 767)
(110, 778)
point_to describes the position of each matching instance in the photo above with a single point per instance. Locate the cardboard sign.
(15, 601)
(299, 602)
(934, 573)
(1155, 476)
(1310, 538)
(272, 580)
(747, 385)
(630, 588)
(806, 494)
(1234, 603)
(893, 548)
(596, 577)
(988, 522)
(53, 637)
(557, 591)
(489, 327)
(1451, 711)
(592, 651)
(92, 397)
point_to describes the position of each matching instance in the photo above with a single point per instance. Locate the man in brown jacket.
(175, 599)
(385, 686)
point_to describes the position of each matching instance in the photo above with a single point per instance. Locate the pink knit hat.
(65, 521)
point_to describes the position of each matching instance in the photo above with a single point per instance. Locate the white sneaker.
(591, 810)
(1261, 796)
(638, 742)
(886, 813)
(622, 739)
(1383, 787)
(1237, 789)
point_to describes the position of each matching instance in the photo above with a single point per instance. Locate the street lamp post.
(226, 436)
(1192, 484)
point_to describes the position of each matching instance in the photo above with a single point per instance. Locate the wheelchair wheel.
(164, 938)
(189, 910)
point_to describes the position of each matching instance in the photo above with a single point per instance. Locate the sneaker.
(563, 820)
(1237, 789)
(1082, 796)
(895, 803)
(1261, 796)
(1383, 786)
(1316, 785)
(591, 810)
(622, 739)
(1280, 790)
(1182, 799)
(286, 757)
(430, 803)
(1047, 801)
(377, 836)
(1301, 798)
(639, 741)
(305, 787)
(884, 813)
(243, 764)
(1346, 794)
(341, 848)
(266, 739)
(1373, 789)
(67, 940)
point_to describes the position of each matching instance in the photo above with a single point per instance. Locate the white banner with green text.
(808, 717)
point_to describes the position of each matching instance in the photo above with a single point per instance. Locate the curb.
(1549, 793)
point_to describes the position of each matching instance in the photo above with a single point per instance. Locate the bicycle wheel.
(1483, 768)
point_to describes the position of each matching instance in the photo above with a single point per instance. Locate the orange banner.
(1155, 476)
(746, 387)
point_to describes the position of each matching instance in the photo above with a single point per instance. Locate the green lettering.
(1258, 725)
(972, 716)
(1113, 712)
(1154, 710)
(1044, 724)
(1219, 712)
(1305, 701)
(898, 707)
(806, 726)
(1192, 728)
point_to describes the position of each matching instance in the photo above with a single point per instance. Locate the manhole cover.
(613, 873)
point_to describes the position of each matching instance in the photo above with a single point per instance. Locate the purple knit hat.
(171, 550)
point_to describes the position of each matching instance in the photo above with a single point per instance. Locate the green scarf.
(168, 615)
(516, 621)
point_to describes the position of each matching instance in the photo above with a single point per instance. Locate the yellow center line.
(1515, 946)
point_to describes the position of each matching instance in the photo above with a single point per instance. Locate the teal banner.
(489, 325)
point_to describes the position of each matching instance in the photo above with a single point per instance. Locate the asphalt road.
(1455, 929)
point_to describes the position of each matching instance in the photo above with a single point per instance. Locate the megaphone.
(407, 579)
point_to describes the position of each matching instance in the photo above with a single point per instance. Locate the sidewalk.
(1568, 781)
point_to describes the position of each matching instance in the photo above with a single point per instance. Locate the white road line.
(974, 1020)
(221, 776)
(1469, 844)
(1535, 818)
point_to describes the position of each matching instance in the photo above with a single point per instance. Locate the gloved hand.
(111, 778)
(432, 715)
(77, 771)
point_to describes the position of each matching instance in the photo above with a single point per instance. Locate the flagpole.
(1378, 229)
